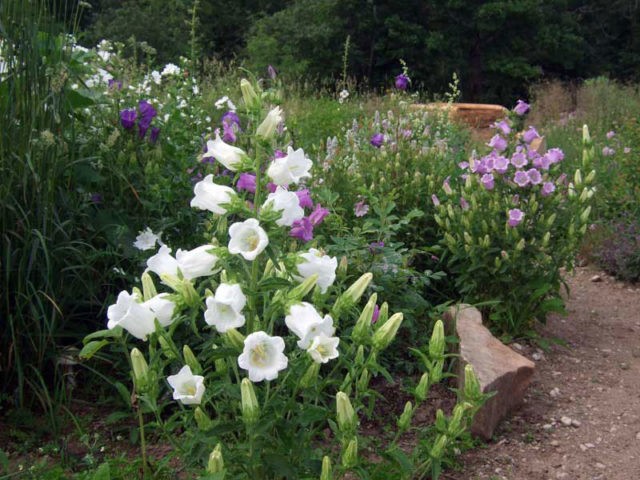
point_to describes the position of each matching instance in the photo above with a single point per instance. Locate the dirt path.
(581, 417)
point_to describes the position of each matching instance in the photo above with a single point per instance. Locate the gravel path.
(581, 417)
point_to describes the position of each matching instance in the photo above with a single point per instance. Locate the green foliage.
(164, 26)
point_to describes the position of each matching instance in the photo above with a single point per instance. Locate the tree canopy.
(497, 47)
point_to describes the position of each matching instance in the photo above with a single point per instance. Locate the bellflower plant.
(250, 347)
(522, 223)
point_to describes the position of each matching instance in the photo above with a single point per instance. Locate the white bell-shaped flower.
(288, 203)
(187, 387)
(323, 348)
(290, 169)
(211, 196)
(163, 263)
(162, 308)
(228, 155)
(198, 262)
(247, 239)
(306, 323)
(224, 309)
(263, 356)
(134, 317)
(315, 262)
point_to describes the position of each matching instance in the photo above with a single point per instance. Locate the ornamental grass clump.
(247, 355)
(509, 220)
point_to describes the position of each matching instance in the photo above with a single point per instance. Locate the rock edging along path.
(500, 371)
(581, 414)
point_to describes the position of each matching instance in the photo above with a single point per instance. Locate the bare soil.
(592, 384)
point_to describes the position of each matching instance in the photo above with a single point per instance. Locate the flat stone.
(498, 368)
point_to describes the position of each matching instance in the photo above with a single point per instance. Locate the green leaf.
(273, 283)
(78, 99)
(280, 465)
(124, 393)
(115, 417)
(102, 473)
(311, 414)
(91, 348)
(401, 459)
(112, 333)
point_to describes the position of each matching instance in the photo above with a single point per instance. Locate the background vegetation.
(498, 48)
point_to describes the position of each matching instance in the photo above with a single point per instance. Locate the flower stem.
(143, 444)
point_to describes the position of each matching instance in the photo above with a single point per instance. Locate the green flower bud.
(546, 238)
(326, 473)
(347, 420)
(202, 420)
(234, 339)
(497, 262)
(383, 314)
(343, 266)
(520, 245)
(267, 128)
(584, 195)
(586, 138)
(167, 350)
(405, 419)
(249, 402)
(472, 391)
(346, 384)
(387, 332)
(350, 454)
(591, 177)
(551, 219)
(422, 389)
(450, 211)
(191, 360)
(437, 341)
(438, 448)
(585, 214)
(251, 99)
(216, 463)
(310, 377)
(361, 330)
(455, 423)
(467, 238)
(438, 220)
(441, 421)
(355, 291)
(577, 178)
(148, 287)
(297, 293)
(359, 360)
(363, 382)
(140, 370)
(451, 242)
(137, 293)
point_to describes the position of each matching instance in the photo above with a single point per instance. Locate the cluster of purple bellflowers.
(522, 168)
(142, 116)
